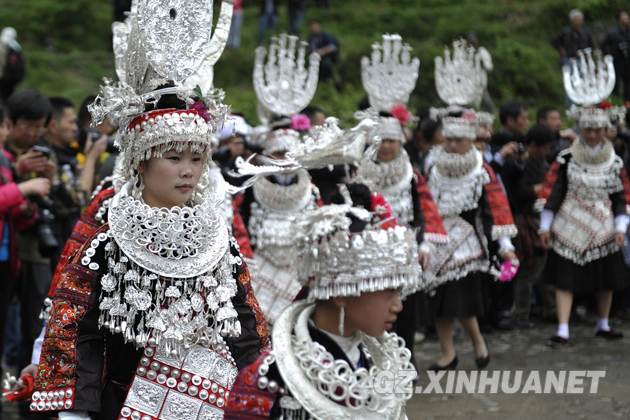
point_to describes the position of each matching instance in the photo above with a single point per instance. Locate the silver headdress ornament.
(322, 146)
(333, 261)
(391, 75)
(459, 81)
(588, 84)
(284, 86)
(458, 78)
(161, 42)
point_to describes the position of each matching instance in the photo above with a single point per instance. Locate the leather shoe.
(482, 362)
(609, 335)
(556, 341)
(451, 366)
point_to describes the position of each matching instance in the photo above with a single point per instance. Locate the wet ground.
(525, 350)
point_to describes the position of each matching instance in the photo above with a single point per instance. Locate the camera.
(47, 242)
(82, 139)
(520, 150)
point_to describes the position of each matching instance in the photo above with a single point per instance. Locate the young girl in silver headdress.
(330, 347)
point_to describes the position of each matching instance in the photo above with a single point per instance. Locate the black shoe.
(609, 335)
(451, 366)
(524, 324)
(482, 362)
(556, 341)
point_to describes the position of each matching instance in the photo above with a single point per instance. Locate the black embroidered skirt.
(608, 273)
(461, 298)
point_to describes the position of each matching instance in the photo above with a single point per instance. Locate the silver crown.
(391, 75)
(592, 81)
(459, 78)
(204, 76)
(160, 41)
(283, 85)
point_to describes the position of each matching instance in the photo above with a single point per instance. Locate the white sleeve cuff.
(37, 347)
(498, 159)
(505, 243)
(546, 217)
(74, 415)
(622, 222)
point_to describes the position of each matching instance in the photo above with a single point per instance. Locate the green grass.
(68, 47)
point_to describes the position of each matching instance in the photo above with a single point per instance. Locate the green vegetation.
(68, 47)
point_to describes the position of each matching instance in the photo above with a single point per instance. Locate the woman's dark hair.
(430, 127)
(30, 105)
(3, 114)
(279, 121)
(166, 101)
(361, 197)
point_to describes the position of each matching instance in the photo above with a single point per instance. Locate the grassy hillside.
(68, 47)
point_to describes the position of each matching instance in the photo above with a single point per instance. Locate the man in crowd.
(523, 180)
(514, 117)
(616, 42)
(77, 182)
(572, 39)
(327, 47)
(29, 114)
(550, 116)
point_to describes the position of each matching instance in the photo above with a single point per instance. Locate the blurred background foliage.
(67, 44)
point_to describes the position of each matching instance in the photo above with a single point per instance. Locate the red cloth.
(434, 225)
(25, 393)
(499, 207)
(84, 229)
(550, 180)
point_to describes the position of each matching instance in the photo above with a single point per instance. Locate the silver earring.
(342, 315)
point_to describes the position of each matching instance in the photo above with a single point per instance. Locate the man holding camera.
(74, 183)
(29, 114)
(507, 146)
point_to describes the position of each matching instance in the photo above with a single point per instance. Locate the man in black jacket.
(616, 42)
(572, 39)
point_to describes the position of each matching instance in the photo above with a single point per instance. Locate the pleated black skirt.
(608, 273)
(461, 298)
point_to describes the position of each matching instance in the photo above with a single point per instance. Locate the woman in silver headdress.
(478, 220)
(330, 347)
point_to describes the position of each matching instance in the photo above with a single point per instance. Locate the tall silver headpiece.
(161, 42)
(333, 261)
(390, 74)
(588, 82)
(284, 86)
(460, 81)
(459, 77)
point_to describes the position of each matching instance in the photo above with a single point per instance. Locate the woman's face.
(593, 136)
(372, 312)
(388, 150)
(169, 181)
(458, 145)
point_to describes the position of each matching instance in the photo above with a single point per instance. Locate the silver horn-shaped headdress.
(458, 77)
(459, 81)
(284, 86)
(162, 42)
(390, 75)
(588, 82)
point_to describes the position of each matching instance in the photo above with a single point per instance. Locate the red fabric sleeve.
(550, 180)
(84, 229)
(10, 197)
(240, 232)
(247, 401)
(499, 207)
(435, 231)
